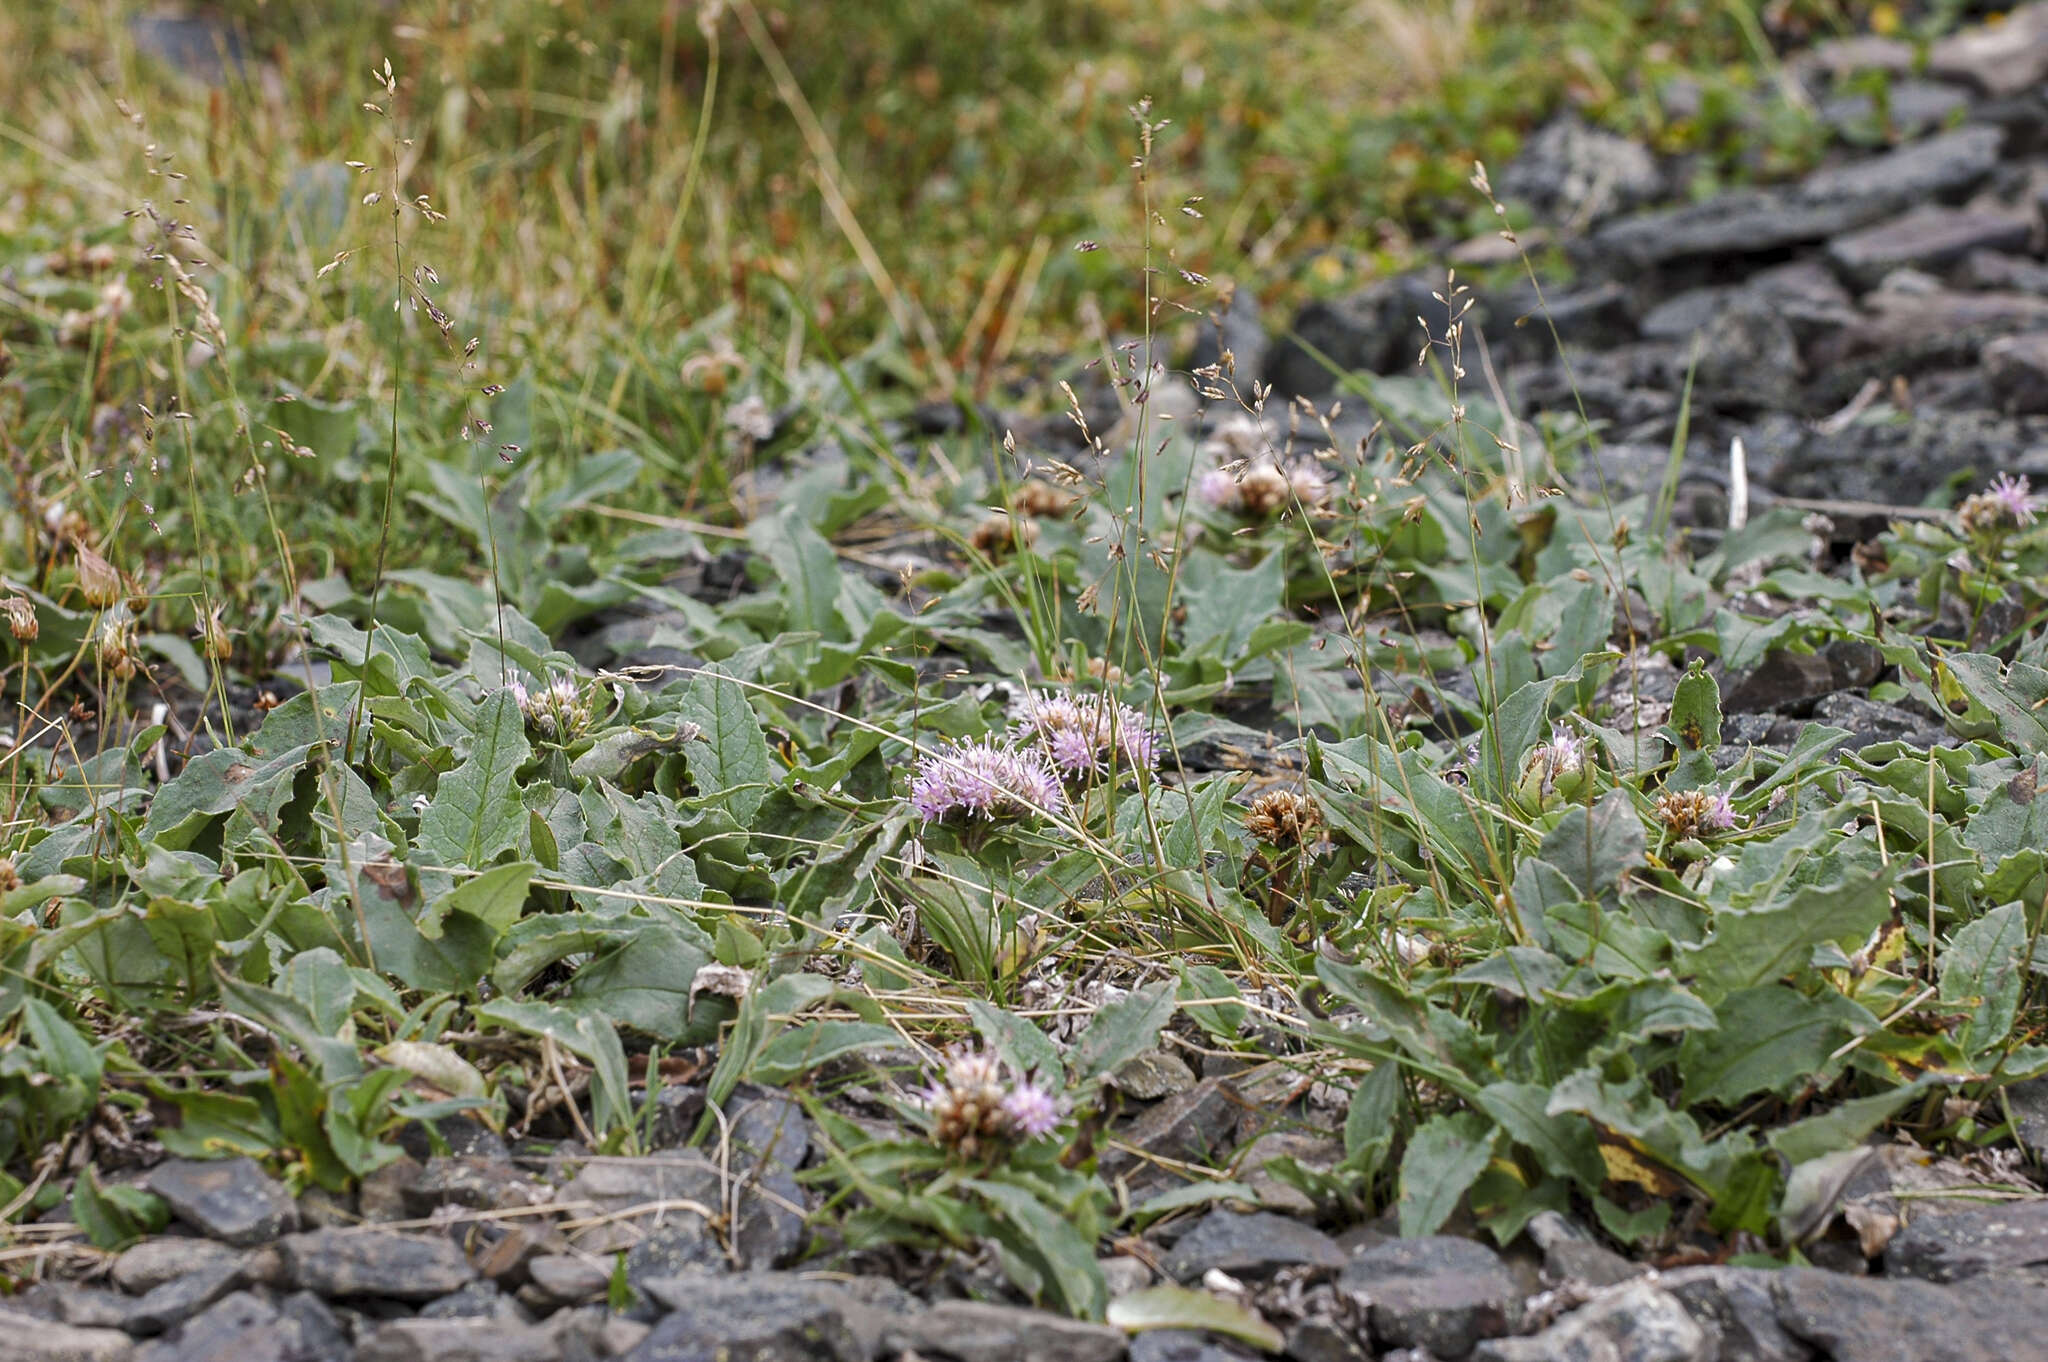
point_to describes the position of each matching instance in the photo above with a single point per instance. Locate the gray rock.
(244, 1327)
(2016, 367)
(33, 1339)
(1254, 1165)
(1191, 1127)
(1826, 203)
(1947, 1248)
(684, 1242)
(381, 1197)
(178, 1300)
(2008, 58)
(1910, 108)
(769, 1126)
(677, 1109)
(772, 1229)
(1371, 331)
(1895, 462)
(2007, 273)
(1250, 1245)
(232, 1200)
(1152, 1075)
(1436, 1292)
(1123, 1274)
(1748, 356)
(1783, 680)
(382, 1263)
(759, 1317)
(1929, 238)
(1238, 329)
(569, 1279)
(153, 1262)
(458, 1340)
(1911, 331)
(463, 1136)
(1183, 1345)
(476, 1300)
(1576, 175)
(975, 1331)
(1633, 1323)
(626, 1191)
(1322, 1340)
(2029, 1101)
(480, 1184)
(1588, 1263)
(1876, 1320)
(595, 1332)
(1735, 1304)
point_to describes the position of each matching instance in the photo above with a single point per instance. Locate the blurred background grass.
(657, 209)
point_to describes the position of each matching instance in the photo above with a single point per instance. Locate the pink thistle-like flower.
(1719, 814)
(1031, 1110)
(1217, 488)
(982, 779)
(1080, 736)
(1563, 754)
(1309, 486)
(2014, 498)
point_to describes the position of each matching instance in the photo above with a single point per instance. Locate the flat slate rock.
(379, 1263)
(1257, 1244)
(232, 1200)
(245, 1327)
(1948, 1248)
(1436, 1292)
(1737, 1306)
(977, 1331)
(1864, 1319)
(31, 1338)
(1633, 1323)
(759, 1315)
(1184, 1345)
(153, 1262)
(458, 1340)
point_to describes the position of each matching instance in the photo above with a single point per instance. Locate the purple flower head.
(2013, 497)
(1719, 813)
(1031, 1110)
(1081, 736)
(972, 1069)
(981, 779)
(1563, 754)
(1217, 488)
(1309, 486)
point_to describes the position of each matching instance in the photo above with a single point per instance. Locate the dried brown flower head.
(1263, 491)
(266, 702)
(1001, 533)
(1105, 671)
(1283, 818)
(10, 878)
(1038, 498)
(21, 618)
(98, 580)
(213, 636)
(1692, 813)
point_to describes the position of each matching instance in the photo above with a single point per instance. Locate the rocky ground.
(1872, 334)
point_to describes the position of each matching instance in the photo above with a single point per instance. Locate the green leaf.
(1125, 1028)
(1169, 1306)
(729, 763)
(215, 1125)
(587, 1035)
(1981, 977)
(1769, 1037)
(1755, 946)
(1369, 1120)
(1696, 710)
(643, 981)
(1563, 1142)
(1050, 1243)
(1190, 1194)
(115, 1217)
(2012, 698)
(494, 898)
(476, 812)
(321, 982)
(802, 1048)
(1444, 1156)
(1208, 996)
(1016, 1040)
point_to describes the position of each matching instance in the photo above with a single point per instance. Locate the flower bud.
(21, 618)
(98, 581)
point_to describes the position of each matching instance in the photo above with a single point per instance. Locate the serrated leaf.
(729, 763)
(476, 814)
(1755, 946)
(1696, 710)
